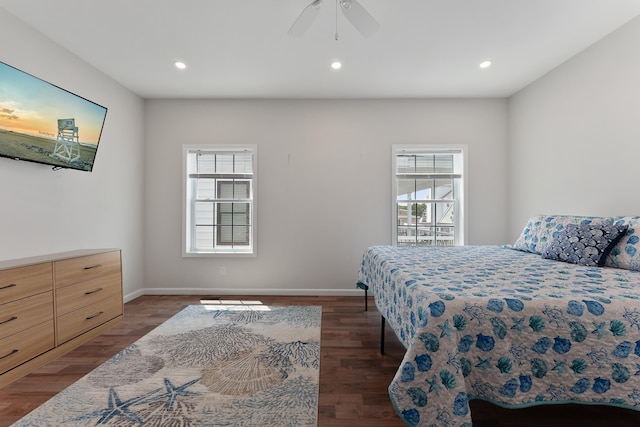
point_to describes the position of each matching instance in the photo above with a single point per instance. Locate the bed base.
(382, 326)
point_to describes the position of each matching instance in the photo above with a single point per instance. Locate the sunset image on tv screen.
(44, 123)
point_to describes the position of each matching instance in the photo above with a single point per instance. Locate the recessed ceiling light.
(485, 64)
(336, 65)
(180, 65)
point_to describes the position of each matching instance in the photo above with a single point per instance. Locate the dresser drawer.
(18, 348)
(73, 297)
(22, 282)
(79, 321)
(80, 269)
(23, 314)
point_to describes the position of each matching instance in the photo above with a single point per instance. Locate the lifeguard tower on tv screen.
(67, 141)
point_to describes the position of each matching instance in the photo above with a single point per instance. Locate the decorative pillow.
(541, 229)
(626, 254)
(584, 244)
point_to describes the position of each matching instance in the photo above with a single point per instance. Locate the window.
(220, 206)
(428, 196)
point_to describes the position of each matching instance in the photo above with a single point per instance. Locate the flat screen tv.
(43, 123)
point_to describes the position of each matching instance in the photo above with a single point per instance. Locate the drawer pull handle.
(93, 291)
(93, 266)
(14, 351)
(9, 320)
(95, 315)
(13, 285)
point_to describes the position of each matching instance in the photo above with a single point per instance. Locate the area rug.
(234, 365)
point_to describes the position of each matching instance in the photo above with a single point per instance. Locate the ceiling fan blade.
(359, 17)
(306, 18)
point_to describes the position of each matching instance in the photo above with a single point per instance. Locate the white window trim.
(430, 148)
(186, 228)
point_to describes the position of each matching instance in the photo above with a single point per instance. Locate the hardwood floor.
(354, 376)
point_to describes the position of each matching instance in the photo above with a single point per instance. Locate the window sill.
(218, 254)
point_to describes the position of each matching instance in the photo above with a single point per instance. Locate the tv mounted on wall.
(43, 123)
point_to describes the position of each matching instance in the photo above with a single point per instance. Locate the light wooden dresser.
(53, 303)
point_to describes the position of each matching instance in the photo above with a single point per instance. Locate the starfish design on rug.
(117, 408)
(173, 392)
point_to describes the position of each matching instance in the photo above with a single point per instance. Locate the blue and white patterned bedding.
(493, 323)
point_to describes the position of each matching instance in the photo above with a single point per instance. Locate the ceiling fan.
(352, 10)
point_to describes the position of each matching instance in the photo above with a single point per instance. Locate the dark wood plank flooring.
(354, 376)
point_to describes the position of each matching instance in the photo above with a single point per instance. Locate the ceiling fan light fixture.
(355, 13)
(336, 65)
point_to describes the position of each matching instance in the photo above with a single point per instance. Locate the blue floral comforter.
(493, 323)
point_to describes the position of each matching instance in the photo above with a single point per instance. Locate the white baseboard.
(133, 295)
(240, 292)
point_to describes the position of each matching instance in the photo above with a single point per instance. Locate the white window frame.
(460, 223)
(189, 198)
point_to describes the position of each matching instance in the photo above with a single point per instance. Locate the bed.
(515, 325)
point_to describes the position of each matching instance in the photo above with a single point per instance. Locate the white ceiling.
(241, 49)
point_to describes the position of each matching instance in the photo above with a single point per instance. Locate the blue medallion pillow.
(584, 244)
(542, 229)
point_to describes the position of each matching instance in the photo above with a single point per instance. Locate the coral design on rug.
(206, 366)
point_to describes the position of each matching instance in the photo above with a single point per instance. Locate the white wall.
(45, 211)
(574, 138)
(324, 184)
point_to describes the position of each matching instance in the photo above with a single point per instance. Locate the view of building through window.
(219, 205)
(428, 197)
